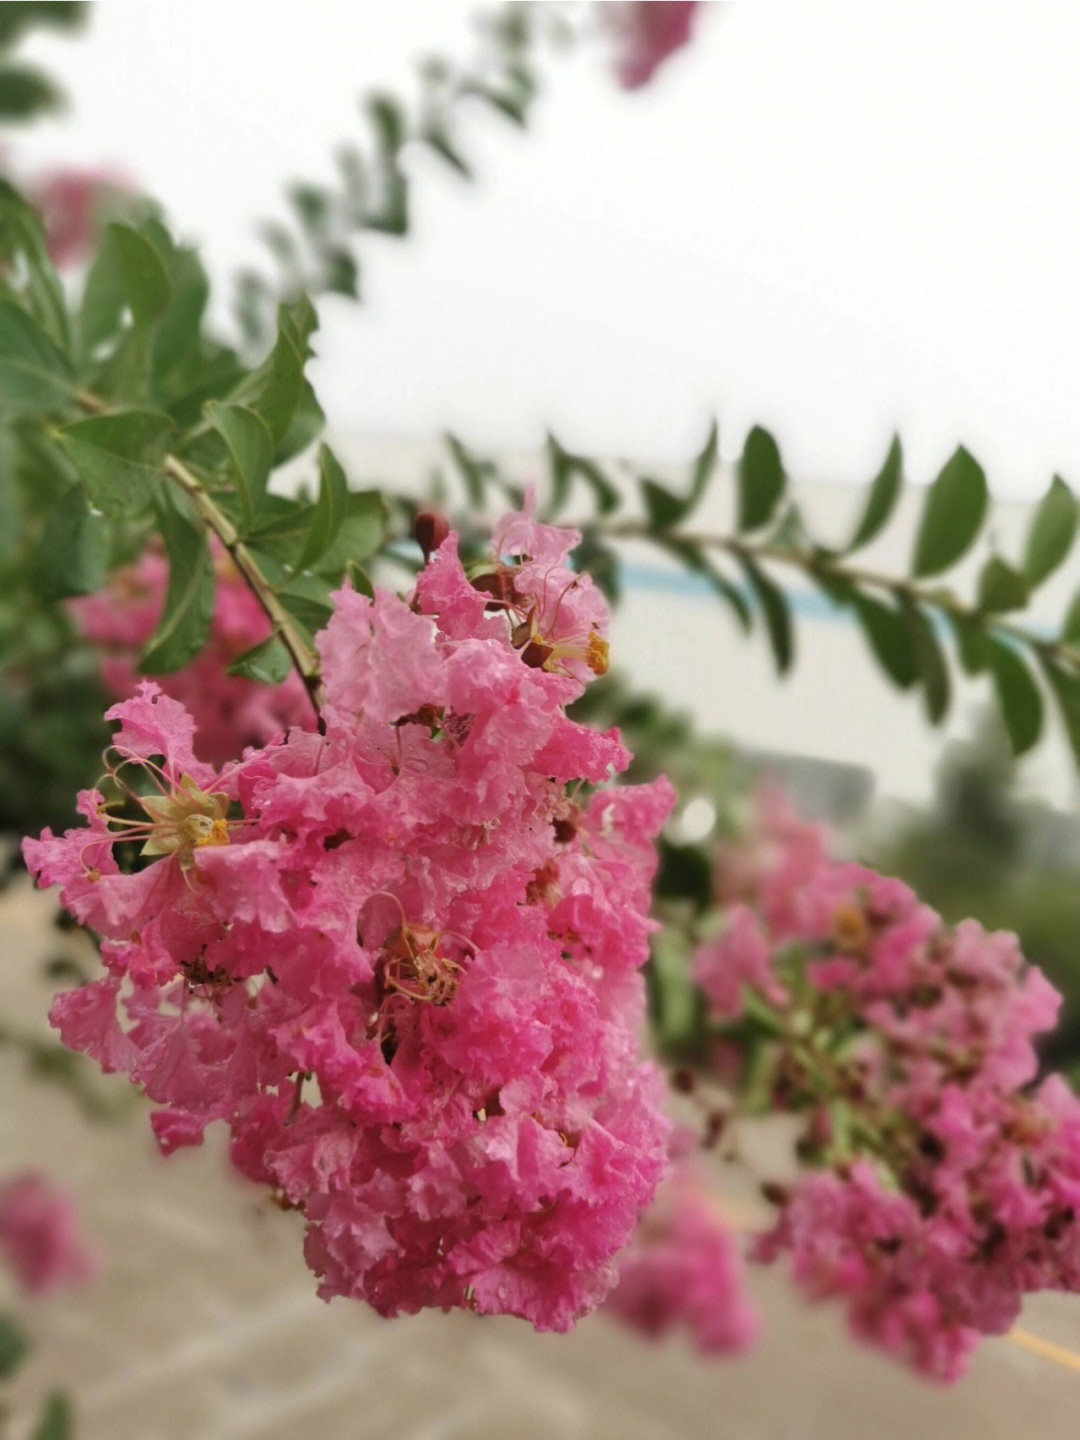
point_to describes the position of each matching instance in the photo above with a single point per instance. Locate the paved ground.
(205, 1323)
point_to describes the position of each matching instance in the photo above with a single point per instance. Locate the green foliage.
(189, 601)
(761, 479)
(1053, 531)
(889, 636)
(73, 555)
(25, 90)
(22, 244)
(17, 16)
(121, 417)
(954, 510)
(565, 467)
(1019, 697)
(906, 621)
(268, 662)
(774, 608)
(35, 375)
(1001, 587)
(56, 1421)
(315, 252)
(663, 507)
(329, 511)
(119, 456)
(14, 1345)
(250, 443)
(127, 274)
(881, 501)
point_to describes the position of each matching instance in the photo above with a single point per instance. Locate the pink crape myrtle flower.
(40, 1237)
(71, 203)
(683, 1269)
(645, 33)
(960, 1191)
(400, 959)
(230, 711)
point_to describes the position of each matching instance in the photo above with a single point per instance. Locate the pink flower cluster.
(401, 958)
(40, 1237)
(952, 1179)
(646, 32)
(230, 711)
(72, 203)
(682, 1268)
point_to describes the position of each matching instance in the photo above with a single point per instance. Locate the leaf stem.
(304, 658)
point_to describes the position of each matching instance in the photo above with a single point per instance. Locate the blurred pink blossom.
(71, 203)
(39, 1235)
(682, 1268)
(645, 34)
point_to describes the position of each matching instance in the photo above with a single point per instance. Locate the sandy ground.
(205, 1321)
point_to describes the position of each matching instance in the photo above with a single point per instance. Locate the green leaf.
(311, 612)
(360, 580)
(695, 559)
(1001, 587)
(359, 535)
(889, 636)
(565, 466)
(387, 185)
(306, 424)
(436, 136)
(180, 357)
(14, 1345)
(972, 643)
(761, 479)
(25, 92)
(313, 204)
(704, 466)
(1021, 703)
(1070, 626)
(34, 374)
(665, 508)
(74, 550)
(929, 659)
(884, 493)
(268, 662)
(251, 449)
(1052, 532)
(1066, 687)
(189, 601)
(662, 507)
(55, 1421)
(119, 456)
(340, 273)
(601, 562)
(775, 609)
(329, 509)
(274, 389)
(15, 17)
(674, 1001)
(22, 235)
(476, 474)
(127, 273)
(953, 512)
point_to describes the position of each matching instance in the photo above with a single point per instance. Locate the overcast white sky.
(835, 219)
